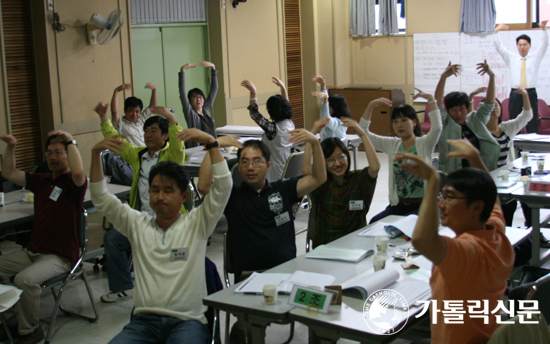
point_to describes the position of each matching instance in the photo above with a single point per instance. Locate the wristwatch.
(211, 145)
(72, 142)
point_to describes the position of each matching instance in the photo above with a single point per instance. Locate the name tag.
(282, 219)
(179, 254)
(356, 205)
(55, 193)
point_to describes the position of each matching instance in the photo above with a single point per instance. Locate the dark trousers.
(515, 106)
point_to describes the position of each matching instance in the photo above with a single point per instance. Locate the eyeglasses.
(254, 162)
(341, 159)
(196, 96)
(56, 153)
(447, 198)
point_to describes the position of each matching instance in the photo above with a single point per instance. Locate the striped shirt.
(505, 143)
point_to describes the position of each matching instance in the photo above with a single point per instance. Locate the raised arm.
(281, 84)
(73, 156)
(101, 110)
(153, 88)
(471, 96)
(375, 103)
(209, 101)
(252, 89)
(205, 171)
(164, 112)
(502, 51)
(319, 174)
(440, 88)
(9, 170)
(372, 158)
(183, 95)
(306, 161)
(482, 69)
(114, 103)
(268, 127)
(426, 238)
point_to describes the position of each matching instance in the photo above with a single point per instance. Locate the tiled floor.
(113, 317)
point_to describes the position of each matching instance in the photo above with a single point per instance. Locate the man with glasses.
(53, 248)
(196, 107)
(471, 268)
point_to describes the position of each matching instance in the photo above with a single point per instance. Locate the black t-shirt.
(255, 239)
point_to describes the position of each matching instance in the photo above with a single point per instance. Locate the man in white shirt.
(169, 247)
(523, 71)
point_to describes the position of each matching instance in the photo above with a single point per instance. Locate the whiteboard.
(433, 51)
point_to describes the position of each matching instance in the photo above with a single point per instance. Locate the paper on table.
(375, 230)
(284, 282)
(345, 254)
(405, 225)
(8, 296)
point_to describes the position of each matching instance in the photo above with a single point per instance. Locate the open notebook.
(254, 284)
(345, 254)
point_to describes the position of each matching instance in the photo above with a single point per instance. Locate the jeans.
(116, 261)
(153, 328)
(399, 209)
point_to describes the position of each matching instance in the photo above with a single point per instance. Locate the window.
(516, 12)
(401, 22)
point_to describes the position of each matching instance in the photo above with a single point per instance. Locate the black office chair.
(541, 292)
(76, 272)
(229, 269)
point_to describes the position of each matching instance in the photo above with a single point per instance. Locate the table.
(257, 315)
(196, 155)
(535, 201)
(533, 142)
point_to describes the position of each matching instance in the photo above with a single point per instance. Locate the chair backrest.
(227, 266)
(82, 229)
(236, 175)
(544, 111)
(541, 293)
(505, 113)
(293, 166)
(190, 202)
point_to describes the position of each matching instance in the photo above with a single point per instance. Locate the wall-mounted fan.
(101, 30)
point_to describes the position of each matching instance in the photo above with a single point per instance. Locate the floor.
(113, 317)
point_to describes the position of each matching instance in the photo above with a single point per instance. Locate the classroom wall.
(248, 41)
(72, 74)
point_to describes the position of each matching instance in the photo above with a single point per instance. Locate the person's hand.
(195, 135)
(478, 91)
(501, 27)
(451, 69)
(229, 141)
(123, 87)
(320, 95)
(9, 139)
(483, 68)
(249, 86)
(463, 149)
(101, 109)
(302, 135)
(318, 79)
(381, 102)
(520, 91)
(278, 82)
(319, 125)
(351, 123)
(61, 136)
(207, 64)
(543, 24)
(111, 143)
(423, 95)
(150, 86)
(187, 66)
(416, 164)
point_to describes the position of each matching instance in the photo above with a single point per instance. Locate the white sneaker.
(118, 296)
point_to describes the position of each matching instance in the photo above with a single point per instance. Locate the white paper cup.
(540, 164)
(379, 262)
(525, 184)
(382, 245)
(525, 156)
(270, 294)
(505, 175)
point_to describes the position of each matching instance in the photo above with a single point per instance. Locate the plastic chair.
(544, 118)
(505, 111)
(76, 272)
(293, 166)
(213, 284)
(426, 125)
(236, 175)
(229, 269)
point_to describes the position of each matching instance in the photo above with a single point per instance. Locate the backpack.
(120, 171)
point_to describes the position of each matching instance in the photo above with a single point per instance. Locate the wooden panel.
(21, 77)
(294, 61)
